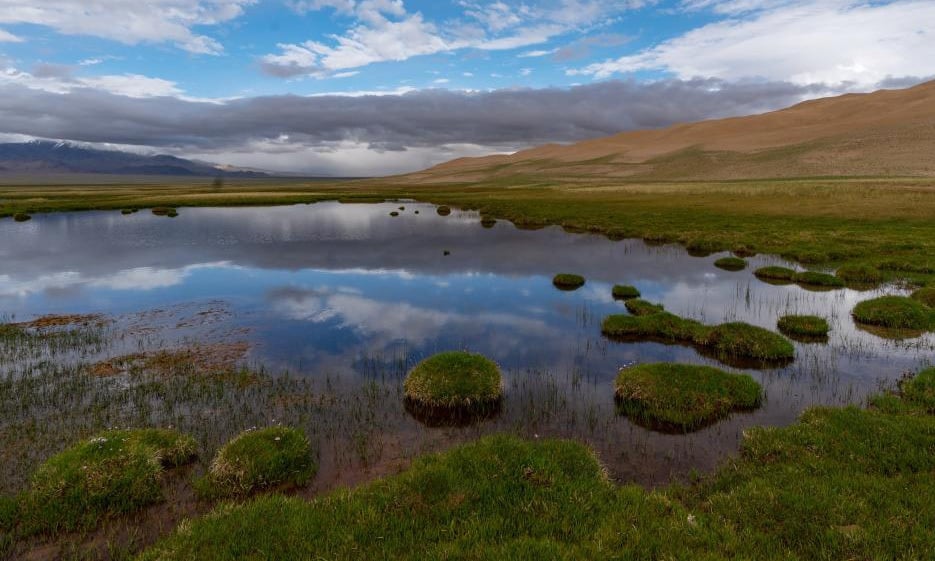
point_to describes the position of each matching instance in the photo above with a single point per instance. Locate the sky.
(374, 87)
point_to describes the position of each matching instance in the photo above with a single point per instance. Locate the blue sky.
(176, 60)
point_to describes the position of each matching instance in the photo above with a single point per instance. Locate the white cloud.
(129, 22)
(130, 85)
(832, 42)
(7, 37)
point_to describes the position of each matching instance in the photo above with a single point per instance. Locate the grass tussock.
(736, 340)
(731, 264)
(568, 281)
(895, 312)
(813, 278)
(454, 380)
(838, 484)
(22, 217)
(807, 279)
(165, 211)
(625, 292)
(394, 214)
(443, 210)
(859, 274)
(925, 295)
(681, 397)
(776, 274)
(488, 222)
(640, 307)
(115, 472)
(804, 327)
(259, 459)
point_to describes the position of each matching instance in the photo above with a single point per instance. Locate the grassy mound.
(682, 397)
(454, 381)
(858, 274)
(729, 342)
(625, 292)
(919, 391)
(488, 222)
(22, 217)
(567, 281)
(812, 278)
(805, 327)
(443, 210)
(394, 213)
(731, 264)
(897, 312)
(259, 459)
(639, 307)
(838, 484)
(775, 274)
(925, 295)
(113, 473)
(165, 211)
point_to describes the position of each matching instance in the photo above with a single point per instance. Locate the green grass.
(925, 295)
(726, 341)
(682, 397)
(838, 484)
(919, 391)
(775, 273)
(859, 274)
(259, 459)
(896, 312)
(640, 307)
(804, 327)
(568, 281)
(731, 264)
(115, 472)
(454, 380)
(625, 292)
(813, 278)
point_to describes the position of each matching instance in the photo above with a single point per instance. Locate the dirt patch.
(53, 321)
(205, 359)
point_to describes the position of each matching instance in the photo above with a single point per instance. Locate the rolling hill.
(884, 133)
(42, 157)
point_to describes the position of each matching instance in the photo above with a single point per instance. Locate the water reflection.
(342, 291)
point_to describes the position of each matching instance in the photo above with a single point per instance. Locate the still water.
(348, 292)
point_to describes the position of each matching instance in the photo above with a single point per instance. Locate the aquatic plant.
(807, 327)
(568, 281)
(731, 264)
(115, 472)
(897, 312)
(625, 292)
(682, 397)
(258, 459)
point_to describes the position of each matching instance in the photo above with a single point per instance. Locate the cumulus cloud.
(7, 37)
(153, 21)
(377, 134)
(836, 41)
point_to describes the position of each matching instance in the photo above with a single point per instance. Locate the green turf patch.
(625, 292)
(681, 397)
(813, 278)
(896, 312)
(639, 307)
(859, 275)
(453, 387)
(568, 281)
(259, 459)
(775, 274)
(731, 264)
(488, 222)
(394, 214)
(165, 211)
(925, 295)
(443, 210)
(742, 340)
(804, 327)
(116, 472)
(22, 217)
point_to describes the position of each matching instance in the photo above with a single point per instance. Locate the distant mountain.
(884, 133)
(42, 157)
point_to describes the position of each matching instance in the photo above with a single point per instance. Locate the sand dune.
(888, 133)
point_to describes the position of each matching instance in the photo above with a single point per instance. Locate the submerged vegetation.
(792, 494)
(804, 327)
(896, 312)
(568, 281)
(735, 340)
(731, 264)
(258, 459)
(682, 397)
(115, 472)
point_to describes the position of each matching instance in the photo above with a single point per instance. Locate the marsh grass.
(625, 292)
(640, 307)
(454, 380)
(568, 281)
(774, 273)
(259, 459)
(896, 312)
(115, 472)
(840, 483)
(859, 275)
(682, 398)
(925, 295)
(804, 328)
(813, 278)
(731, 264)
(728, 342)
